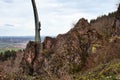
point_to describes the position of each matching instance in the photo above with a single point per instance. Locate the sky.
(56, 16)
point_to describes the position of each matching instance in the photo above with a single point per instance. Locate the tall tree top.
(118, 11)
(119, 7)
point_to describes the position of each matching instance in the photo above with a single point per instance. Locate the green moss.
(94, 47)
(74, 68)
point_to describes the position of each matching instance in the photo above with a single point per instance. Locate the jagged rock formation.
(69, 53)
(84, 47)
(106, 53)
(66, 54)
(48, 43)
(29, 59)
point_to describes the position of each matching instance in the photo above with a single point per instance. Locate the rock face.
(30, 55)
(48, 43)
(66, 56)
(68, 53)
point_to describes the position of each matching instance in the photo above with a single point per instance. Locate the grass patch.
(102, 72)
(10, 49)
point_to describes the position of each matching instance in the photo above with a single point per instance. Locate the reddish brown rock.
(48, 43)
(30, 55)
(66, 53)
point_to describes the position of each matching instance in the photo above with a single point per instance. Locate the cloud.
(56, 16)
(10, 25)
(7, 1)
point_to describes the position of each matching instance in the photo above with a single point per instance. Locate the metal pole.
(37, 23)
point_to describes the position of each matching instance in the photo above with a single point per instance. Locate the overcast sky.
(56, 16)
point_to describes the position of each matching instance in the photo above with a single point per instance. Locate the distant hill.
(16, 41)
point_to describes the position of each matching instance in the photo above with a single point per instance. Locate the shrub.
(7, 55)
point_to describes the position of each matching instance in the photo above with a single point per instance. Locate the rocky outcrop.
(48, 43)
(64, 57)
(31, 53)
(68, 53)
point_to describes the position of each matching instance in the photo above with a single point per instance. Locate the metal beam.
(37, 23)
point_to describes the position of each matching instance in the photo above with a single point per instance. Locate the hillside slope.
(87, 51)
